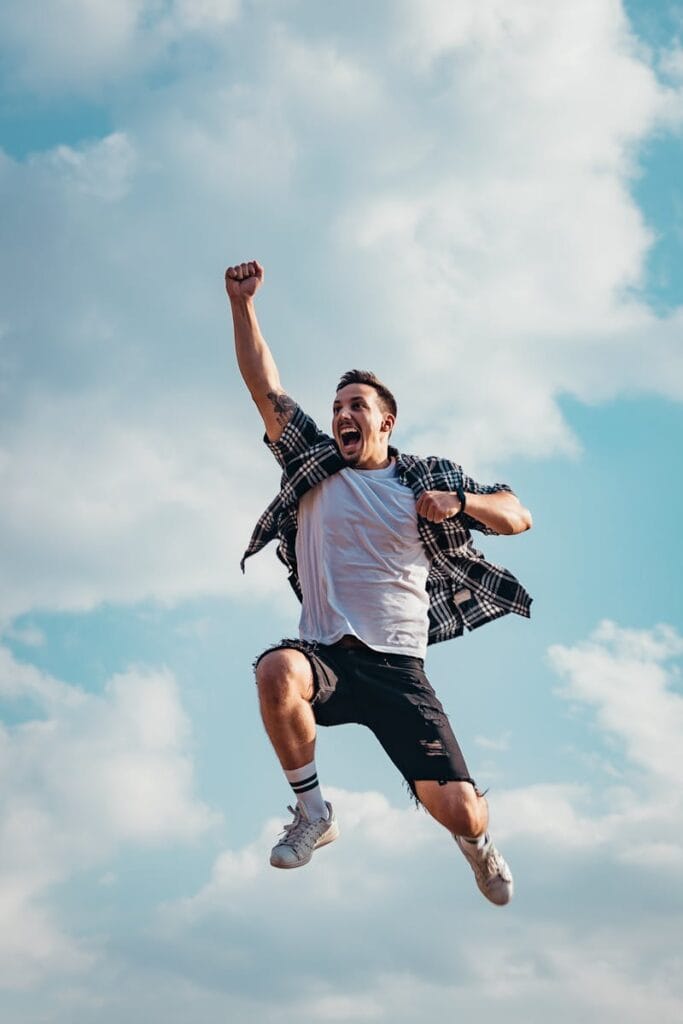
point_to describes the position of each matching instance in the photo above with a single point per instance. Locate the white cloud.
(552, 813)
(318, 77)
(97, 510)
(102, 169)
(671, 63)
(26, 635)
(83, 775)
(369, 820)
(31, 941)
(80, 45)
(626, 679)
(623, 674)
(203, 15)
(69, 42)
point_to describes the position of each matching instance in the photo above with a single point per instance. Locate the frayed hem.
(305, 646)
(417, 803)
(410, 787)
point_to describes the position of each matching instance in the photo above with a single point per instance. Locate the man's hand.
(438, 505)
(243, 280)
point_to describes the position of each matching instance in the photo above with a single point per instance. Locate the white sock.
(304, 782)
(478, 841)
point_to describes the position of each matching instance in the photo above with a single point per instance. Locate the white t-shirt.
(361, 562)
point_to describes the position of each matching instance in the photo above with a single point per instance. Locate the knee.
(471, 816)
(457, 806)
(282, 676)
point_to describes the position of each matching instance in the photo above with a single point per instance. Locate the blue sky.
(482, 202)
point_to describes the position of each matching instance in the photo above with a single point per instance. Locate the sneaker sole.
(328, 837)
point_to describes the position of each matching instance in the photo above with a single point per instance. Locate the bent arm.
(501, 511)
(254, 358)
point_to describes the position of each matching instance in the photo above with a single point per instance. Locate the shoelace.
(301, 826)
(489, 864)
(493, 865)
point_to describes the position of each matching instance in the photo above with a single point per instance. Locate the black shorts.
(391, 695)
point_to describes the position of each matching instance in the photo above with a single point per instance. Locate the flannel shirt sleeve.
(300, 433)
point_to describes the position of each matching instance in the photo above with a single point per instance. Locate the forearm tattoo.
(283, 405)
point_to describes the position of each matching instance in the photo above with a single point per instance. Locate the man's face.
(360, 427)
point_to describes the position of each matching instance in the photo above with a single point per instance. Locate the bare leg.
(460, 809)
(285, 688)
(456, 805)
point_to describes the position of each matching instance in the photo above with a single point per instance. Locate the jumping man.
(378, 549)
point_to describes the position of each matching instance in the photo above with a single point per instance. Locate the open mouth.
(349, 437)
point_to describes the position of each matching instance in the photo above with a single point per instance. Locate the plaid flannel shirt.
(465, 591)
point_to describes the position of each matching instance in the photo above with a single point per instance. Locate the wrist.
(241, 303)
(461, 498)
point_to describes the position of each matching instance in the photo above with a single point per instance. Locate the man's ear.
(388, 423)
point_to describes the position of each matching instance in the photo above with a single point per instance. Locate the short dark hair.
(387, 400)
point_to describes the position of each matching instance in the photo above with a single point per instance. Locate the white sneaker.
(491, 872)
(302, 836)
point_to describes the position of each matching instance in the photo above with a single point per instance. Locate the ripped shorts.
(391, 695)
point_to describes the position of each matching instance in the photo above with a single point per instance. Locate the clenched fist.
(438, 505)
(243, 280)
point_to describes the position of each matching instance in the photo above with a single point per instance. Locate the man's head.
(363, 416)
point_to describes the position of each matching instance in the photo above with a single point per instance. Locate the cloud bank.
(453, 206)
(388, 922)
(83, 776)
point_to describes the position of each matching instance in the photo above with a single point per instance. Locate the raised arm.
(254, 358)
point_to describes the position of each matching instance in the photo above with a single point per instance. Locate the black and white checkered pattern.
(465, 591)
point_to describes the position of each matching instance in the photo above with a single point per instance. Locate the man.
(378, 548)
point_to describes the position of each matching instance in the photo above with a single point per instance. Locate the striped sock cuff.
(304, 785)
